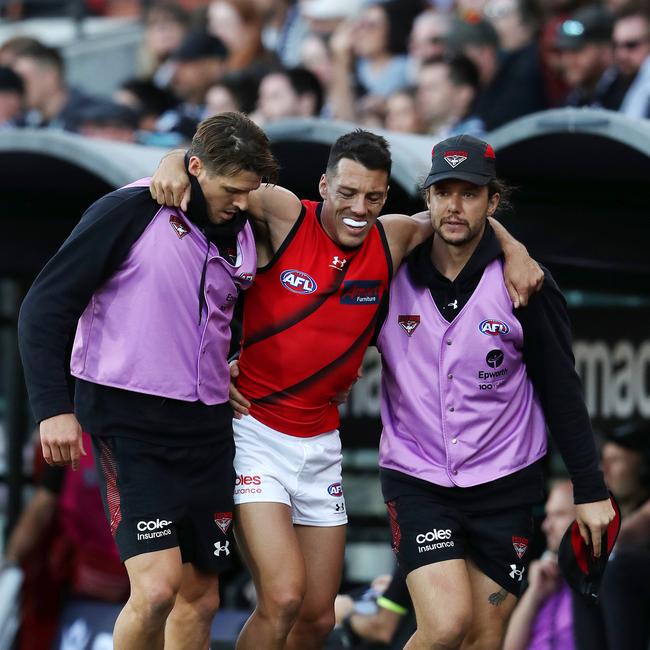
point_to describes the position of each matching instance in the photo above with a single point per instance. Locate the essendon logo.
(360, 292)
(223, 521)
(408, 322)
(454, 158)
(520, 544)
(493, 327)
(179, 226)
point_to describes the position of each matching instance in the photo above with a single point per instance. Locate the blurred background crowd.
(435, 67)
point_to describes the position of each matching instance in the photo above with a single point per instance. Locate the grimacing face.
(225, 196)
(353, 198)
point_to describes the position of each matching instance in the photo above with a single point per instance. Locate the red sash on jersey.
(308, 319)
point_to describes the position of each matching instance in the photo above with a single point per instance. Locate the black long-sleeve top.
(48, 317)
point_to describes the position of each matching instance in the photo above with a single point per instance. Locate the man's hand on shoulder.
(61, 440)
(170, 184)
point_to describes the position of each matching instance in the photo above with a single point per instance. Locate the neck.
(325, 222)
(449, 259)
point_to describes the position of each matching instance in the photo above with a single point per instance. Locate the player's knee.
(317, 626)
(207, 604)
(446, 633)
(154, 601)
(283, 603)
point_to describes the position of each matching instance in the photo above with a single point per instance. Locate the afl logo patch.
(298, 281)
(335, 490)
(493, 327)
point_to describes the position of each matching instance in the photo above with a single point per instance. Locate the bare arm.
(404, 233)
(272, 205)
(522, 274)
(342, 93)
(33, 521)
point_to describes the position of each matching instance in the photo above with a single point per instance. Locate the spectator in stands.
(283, 29)
(587, 61)
(379, 615)
(239, 25)
(446, 91)
(316, 57)
(631, 42)
(12, 47)
(110, 121)
(235, 92)
(64, 544)
(12, 92)
(427, 39)
(366, 59)
(402, 113)
(325, 16)
(199, 62)
(146, 99)
(543, 616)
(508, 87)
(295, 92)
(49, 101)
(165, 26)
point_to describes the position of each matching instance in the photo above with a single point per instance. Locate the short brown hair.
(228, 143)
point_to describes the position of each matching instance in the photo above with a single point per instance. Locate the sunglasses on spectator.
(629, 45)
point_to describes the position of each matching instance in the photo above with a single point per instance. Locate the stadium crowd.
(437, 68)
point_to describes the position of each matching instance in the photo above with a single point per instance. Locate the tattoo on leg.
(497, 597)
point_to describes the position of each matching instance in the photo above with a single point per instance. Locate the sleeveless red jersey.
(308, 319)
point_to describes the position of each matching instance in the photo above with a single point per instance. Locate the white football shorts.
(303, 473)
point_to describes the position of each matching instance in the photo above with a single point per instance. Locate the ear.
(195, 166)
(493, 204)
(322, 187)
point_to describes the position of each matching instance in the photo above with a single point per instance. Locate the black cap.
(200, 45)
(10, 81)
(464, 158)
(463, 32)
(591, 24)
(582, 571)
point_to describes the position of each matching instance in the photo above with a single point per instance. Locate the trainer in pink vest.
(457, 406)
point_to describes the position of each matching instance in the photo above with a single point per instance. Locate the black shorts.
(426, 530)
(159, 497)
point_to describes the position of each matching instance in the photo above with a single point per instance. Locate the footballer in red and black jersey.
(308, 319)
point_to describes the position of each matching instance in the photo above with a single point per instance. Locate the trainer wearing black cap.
(469, 387)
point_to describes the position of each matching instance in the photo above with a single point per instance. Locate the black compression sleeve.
(551, 367)
(59, 295)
